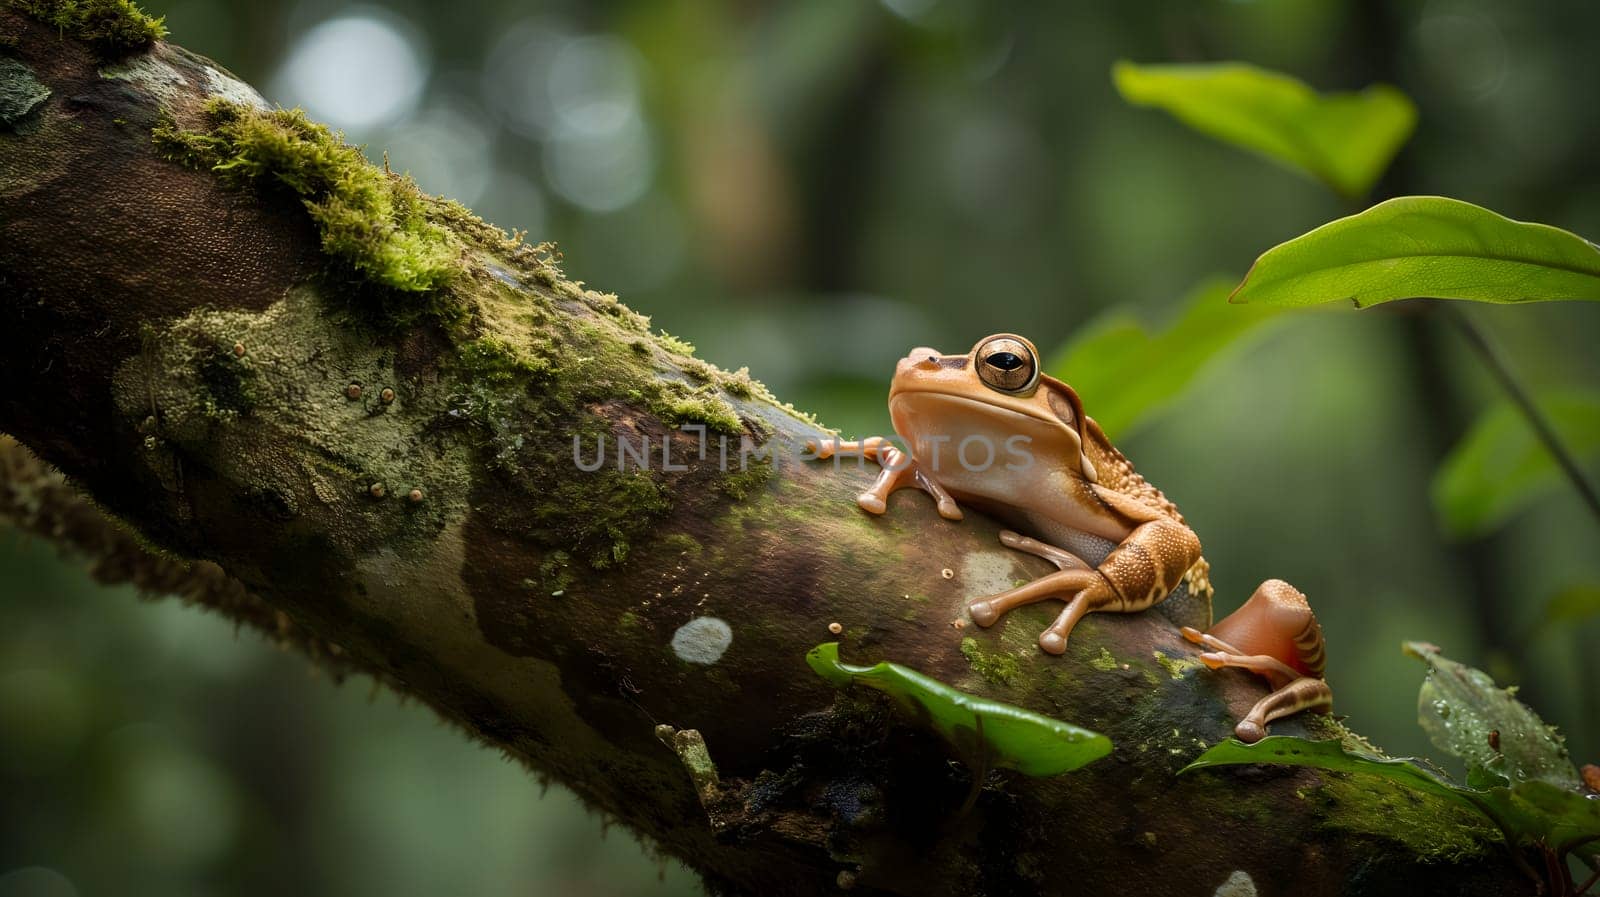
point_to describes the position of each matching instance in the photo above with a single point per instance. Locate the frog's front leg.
(899, 471)
(1139, 572)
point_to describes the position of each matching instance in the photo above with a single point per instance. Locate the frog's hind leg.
(1062, 558)
(1080, 588)
(1293, 691)
(1078, 583)
(1305, 693)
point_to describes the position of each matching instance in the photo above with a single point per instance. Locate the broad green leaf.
(1288, 750)
(1500, 466)
(1007, 735)
(1501, 739)
(1560, 817)
(1425, 247)
(1346, 140)
(1126, 373)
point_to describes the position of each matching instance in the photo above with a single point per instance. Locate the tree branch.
(361, 402)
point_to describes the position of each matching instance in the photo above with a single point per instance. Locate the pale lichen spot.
(20, 92)
(1239, 884)
(221, 84)
(151, 73)
(702, 640)
(987, 572)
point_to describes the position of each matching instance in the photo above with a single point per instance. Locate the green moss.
(998, 668)
(739, 383)
(599, 514)
(112, 27)
(682, 544)
(699, 371)
(674, 344)
(377, 222)
(741, 484)
(1105, 663)
(1430, 828)
(677, 404)
(1175, 666)
(491, 361)
(556, 573)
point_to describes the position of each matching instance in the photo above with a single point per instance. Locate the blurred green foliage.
(1499, 467)
(811, 189)
(1127, 374)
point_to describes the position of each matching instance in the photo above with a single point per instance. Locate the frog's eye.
(1007, 364)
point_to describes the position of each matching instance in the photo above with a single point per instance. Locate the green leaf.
(1010, 736)
(1559, 817)
(1425, 247)
(1500, 738)
(1500, 466)
(1125, 373)
(1288, 750)
(1346, 140)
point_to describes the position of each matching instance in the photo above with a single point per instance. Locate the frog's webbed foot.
(899, 471)
(1292, 692)
(1077, 583)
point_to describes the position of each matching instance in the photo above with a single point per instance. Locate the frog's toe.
(871, 503)
(1249, 731)
(1053, 642)
(983, 613)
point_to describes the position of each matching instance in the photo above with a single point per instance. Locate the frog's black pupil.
(1006, 361)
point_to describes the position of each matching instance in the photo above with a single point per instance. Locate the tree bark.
(397, 494)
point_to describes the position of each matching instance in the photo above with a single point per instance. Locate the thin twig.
(1542, 428)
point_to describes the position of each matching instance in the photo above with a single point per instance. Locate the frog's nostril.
(923, 356)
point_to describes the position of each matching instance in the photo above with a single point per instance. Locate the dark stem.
(1479, 341)
(1584, 888)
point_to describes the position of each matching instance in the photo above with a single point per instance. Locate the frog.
(990, 430)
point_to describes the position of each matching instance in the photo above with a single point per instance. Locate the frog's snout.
(920, 357)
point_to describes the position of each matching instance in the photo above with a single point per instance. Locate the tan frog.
(988, 429)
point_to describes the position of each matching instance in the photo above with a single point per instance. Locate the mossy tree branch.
(262, 357)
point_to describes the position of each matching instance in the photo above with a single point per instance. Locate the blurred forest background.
(811, 189)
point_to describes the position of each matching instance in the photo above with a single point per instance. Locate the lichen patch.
(20, 94)
(223, 85)
(702, 640)
(1239, 884)
(987, 572)
(153, 74)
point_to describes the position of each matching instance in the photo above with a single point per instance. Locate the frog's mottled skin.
(989, 429)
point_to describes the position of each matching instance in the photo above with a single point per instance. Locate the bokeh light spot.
(358, 71)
